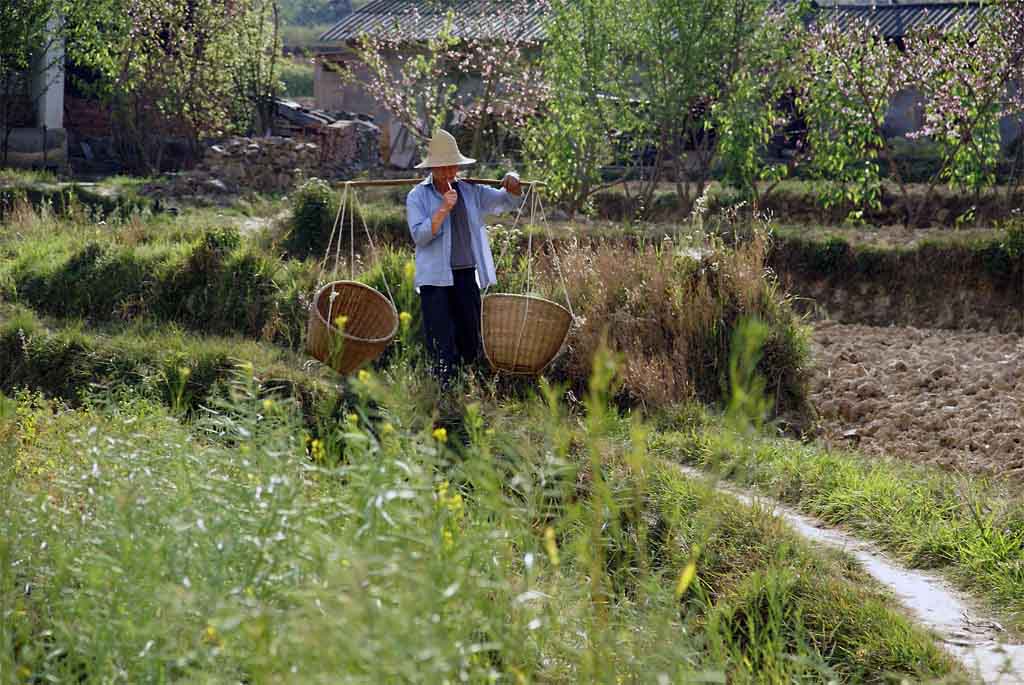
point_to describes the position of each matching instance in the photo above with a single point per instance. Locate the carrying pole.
(393, 182)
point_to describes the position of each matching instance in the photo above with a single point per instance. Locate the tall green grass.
(672, 324)
(966, 526)
(242, 548)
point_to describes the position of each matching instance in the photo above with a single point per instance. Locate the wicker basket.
(371, 324)
(522, 334)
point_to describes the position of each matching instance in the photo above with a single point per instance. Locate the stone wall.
(263, 164)
(272, 164)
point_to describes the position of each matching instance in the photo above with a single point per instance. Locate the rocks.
(263, 164)
(276, 163)
(950, 398)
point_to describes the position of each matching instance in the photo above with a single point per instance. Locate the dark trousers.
(451, 323)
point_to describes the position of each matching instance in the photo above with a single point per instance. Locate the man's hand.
(448, 201)
(450, 198)
(511, 183)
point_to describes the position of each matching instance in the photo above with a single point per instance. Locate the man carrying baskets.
(453, 255)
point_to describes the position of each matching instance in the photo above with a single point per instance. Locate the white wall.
(47, 86)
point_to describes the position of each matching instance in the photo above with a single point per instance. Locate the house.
(409, 24)
(412, 22)
(894, 21)
(37, 138)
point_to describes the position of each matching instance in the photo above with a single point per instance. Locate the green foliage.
(297, 77)
(315, 208)
(486, 559)
(315, 211)
(219, 78)
(212, 283)
(586, 66)
(157, 363)
(929, 518)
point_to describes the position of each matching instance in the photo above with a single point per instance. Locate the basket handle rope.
(536, 205)
(339, 222)
(347, 197)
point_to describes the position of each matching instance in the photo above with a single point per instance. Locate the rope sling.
(351, 324)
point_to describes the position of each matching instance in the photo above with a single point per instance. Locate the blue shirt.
(434, 252)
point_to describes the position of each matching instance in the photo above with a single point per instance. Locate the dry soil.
(943, 397)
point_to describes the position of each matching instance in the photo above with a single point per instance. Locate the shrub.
(314, 210)
(671, 317)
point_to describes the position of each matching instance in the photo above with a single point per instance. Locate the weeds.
(535, 550)
(969, 529)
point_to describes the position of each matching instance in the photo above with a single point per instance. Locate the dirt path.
(964, 631)
(948, 398)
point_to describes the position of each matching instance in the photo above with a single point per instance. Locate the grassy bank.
(158, 363)
(539, 549)
(968, 528)
(799, 201)
(941, 283)
(673, 326)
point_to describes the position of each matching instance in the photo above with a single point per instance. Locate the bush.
(314, 211)
(671, 317)
(315, 208)
(297, 77)
(213, 285)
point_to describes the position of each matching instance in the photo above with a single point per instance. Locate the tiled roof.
(895, 21)
(417, 21)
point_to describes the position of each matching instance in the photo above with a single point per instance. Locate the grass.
(297, 76)
(207, 278)
(969, 528)
(297, 37)
(236, 548)
(257, 523)
(158, 363)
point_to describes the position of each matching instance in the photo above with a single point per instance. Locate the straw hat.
(443, 151)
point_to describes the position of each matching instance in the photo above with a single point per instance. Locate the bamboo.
(413, 181)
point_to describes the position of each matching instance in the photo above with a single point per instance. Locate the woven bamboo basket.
(370, 326)
(522, 334)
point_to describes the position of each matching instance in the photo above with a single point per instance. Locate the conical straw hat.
(443, 151)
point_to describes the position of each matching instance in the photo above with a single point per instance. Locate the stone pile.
(262, 164)
(274, 164)
(349, 147)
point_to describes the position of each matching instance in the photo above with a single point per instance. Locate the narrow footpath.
(963, 628)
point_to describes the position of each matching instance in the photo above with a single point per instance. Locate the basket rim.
(535, 298)
(330, 326)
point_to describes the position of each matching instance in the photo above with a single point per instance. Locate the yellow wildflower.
(210, 636)
(410, 270)
(184, 372)
(352, 418)
(449, 539)
(341, 321)
(317, 451)
(685, 578)
(364, 376)
(550, 545)
(440, 434)
(387, 429)
(268, 404)
(405, 318)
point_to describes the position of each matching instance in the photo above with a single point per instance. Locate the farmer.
(453, 256)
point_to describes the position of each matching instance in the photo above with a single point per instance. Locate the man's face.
(444, 174)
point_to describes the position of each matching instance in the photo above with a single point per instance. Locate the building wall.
(904, 115)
